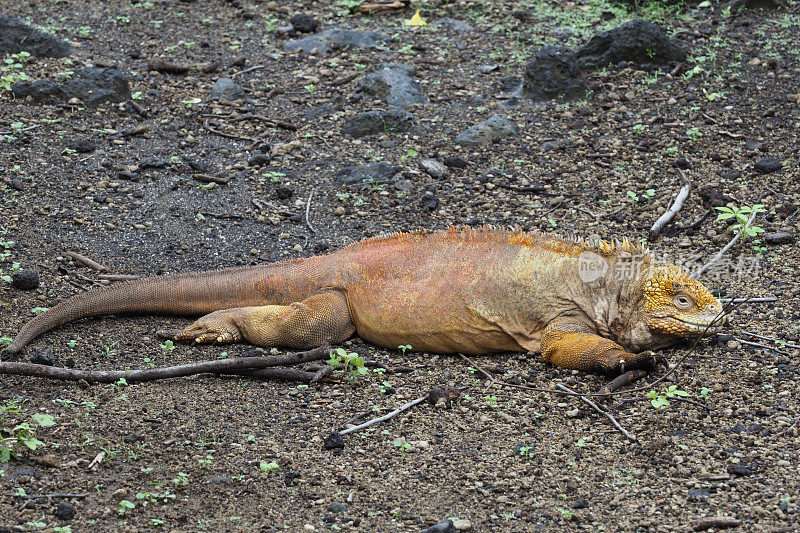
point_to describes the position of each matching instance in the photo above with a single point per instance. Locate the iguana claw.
(218, 326)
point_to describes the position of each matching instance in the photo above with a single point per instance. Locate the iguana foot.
(615, 364)
(219, 326)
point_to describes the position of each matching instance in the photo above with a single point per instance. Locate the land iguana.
(589, 306)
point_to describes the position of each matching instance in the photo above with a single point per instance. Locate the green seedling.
(268, 467)
(661, 399)
(348, 364)
(742, 215)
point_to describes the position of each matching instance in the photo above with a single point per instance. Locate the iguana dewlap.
(589, 307)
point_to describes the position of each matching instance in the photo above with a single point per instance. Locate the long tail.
(193, 293)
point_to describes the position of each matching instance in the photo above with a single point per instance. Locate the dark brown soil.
(517, 461)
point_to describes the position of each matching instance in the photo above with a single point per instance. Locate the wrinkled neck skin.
(615, 305)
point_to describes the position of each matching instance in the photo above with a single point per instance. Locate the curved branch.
(235, 365)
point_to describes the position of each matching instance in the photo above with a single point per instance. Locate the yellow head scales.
(678, 305)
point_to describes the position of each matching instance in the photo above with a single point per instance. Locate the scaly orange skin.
(458, 290)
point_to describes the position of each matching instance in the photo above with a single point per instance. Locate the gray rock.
(551, 145)
(767, 165)
(403, 185)
(315, 113)
(27, 279)
(393, 84)
(337, 507)
(434, 167)
(304, 23)
(44, 357)
(379, 171)
(489, 130)
(553, 74)
(445, 526)
(429, 202)
(740, 469)
(335, 38)
(379, 121)
(638, 41)
(228, 89)
(779, 237)
(449, 23)
(18, 37)
(462, 524)
(92, 86)
(65, 511)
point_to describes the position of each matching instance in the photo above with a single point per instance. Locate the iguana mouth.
(696, 322)
(712, 324)
(691, 325)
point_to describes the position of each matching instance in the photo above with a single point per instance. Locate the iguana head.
(677, 306)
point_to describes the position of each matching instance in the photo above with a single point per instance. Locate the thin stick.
(777, 341)
(228, 135)
(251, 69)
(118, 277)
(29, 128)
(60, 495)
(308, 208)
(87, 262)
(344, 79)
(210, 178)
(231, 365)
(664, 219)
(282, 374)
(762, 346)
(492, 379)
(749, 300)
(728, 246)
(274, 121)
(477, 367)
(594, 406)
(582, 210)
(387, 416)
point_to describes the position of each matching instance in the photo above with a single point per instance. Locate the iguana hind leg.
(571, 344)
(305, 324)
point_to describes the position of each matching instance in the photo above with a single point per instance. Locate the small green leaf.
(43, 419)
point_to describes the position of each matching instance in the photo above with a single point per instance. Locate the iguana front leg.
(305, 324)
(571, 344)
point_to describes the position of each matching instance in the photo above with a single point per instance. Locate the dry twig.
(776, 341)
(308, 209)
(59, 495)
(249, 69)
(387, 416)
(749, 300)
(87, 262)
(234, 365)
(664, 219)
(716, 258)
(228, 135)
(594, 406)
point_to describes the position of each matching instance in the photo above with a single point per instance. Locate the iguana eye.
(682, 301)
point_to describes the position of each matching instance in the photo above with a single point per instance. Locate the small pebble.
(462, 524)
(65, 511)
(44, 357)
